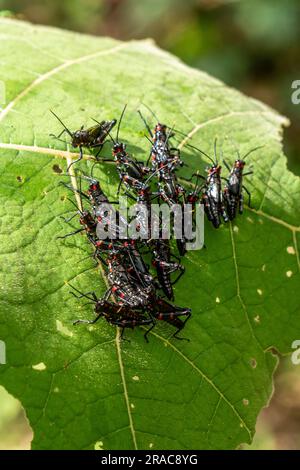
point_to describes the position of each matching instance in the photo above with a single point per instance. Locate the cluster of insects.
(137, 294)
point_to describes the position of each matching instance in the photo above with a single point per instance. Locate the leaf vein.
(207, 379)
(238, 288)
(226, 116)
(54, 71)
(119, 355)
(296, 248)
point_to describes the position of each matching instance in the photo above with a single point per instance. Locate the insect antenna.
(79, 174)
(253, 150)
(134, 267)
(100, 123)
(146, 125)
(152, 112)
(215, 150)
(201, 151)
(77, 208)
(181, 133)
(154, 115)
(198, 187)
(149, 140)
(80, 177)
(221, 152)
(236, 149)
(173, 129)
(81, 293)
(68, 131)
(154, 173)
(120, 120)
(168, 136)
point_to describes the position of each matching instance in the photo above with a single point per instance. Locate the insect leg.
(119, 186)
(148, 331)
(57, 137)
(198, 176)
(77, 160)
(207, 207)
(178, 277)
(121, 325)
(68, 219)
(177, 150)
(180, 337)
(89, 322)
(188, 316)
(181, 328)
(72, 233)
(176, 258)
(249, 195)
(99, 257)
(81, 294)
(241, 204)
(130, 196)
(73, 189)
(122, 335)
(224, 213)
(107, 294)
(100, 148)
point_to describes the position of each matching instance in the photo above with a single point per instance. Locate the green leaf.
(81, 387)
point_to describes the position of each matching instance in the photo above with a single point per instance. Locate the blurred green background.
(253, 45)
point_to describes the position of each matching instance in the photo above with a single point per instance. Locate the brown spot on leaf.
(57, 169)
(253, 363)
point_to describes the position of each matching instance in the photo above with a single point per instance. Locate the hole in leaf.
(63, 329)
(40, 367)
(98, 445)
